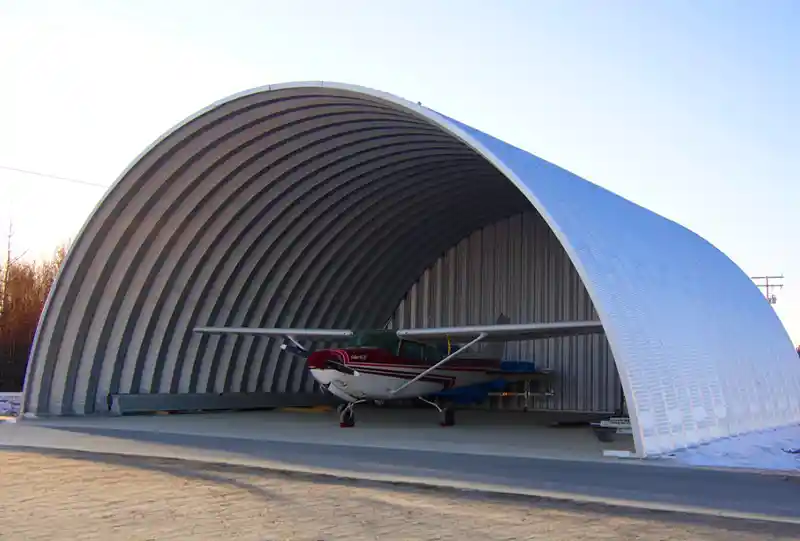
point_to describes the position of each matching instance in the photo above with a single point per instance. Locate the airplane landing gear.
(447, 415)
(347, 415)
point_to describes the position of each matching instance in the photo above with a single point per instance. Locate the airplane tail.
(497, 350)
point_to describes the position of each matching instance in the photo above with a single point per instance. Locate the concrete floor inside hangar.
(512, 434)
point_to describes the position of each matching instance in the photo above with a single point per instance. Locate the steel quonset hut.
(330, 205)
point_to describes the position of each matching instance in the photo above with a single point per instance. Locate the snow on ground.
(765, 450)
(10, 403)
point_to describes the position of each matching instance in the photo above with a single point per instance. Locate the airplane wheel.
(347, 418)
(448, 417)
(340, 408)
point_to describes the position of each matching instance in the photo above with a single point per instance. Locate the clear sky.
(688, 107)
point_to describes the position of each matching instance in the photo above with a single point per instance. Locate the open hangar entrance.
(517, 267)
(320, 205)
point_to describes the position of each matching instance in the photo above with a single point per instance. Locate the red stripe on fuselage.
(421, 367)
(447, 381)
(381, 359)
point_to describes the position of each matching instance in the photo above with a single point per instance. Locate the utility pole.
(772, 299)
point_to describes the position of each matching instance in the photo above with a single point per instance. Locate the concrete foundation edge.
(126, 404)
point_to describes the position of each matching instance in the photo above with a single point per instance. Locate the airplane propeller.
(295, 348)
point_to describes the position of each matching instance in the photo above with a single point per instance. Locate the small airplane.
(382, 364)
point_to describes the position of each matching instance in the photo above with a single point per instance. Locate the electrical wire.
(54, 177)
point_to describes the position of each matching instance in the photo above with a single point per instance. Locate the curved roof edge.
(690, 332)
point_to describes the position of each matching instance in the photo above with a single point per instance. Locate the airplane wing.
(296, 348)
(493, 333)
(503, 332)
(316, 334)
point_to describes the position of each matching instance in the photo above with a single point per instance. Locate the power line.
(55, 177)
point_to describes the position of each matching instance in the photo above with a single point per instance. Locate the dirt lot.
(70, 495)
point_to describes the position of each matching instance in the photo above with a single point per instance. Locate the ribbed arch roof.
(319, 205)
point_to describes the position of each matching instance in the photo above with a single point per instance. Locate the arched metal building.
(330, 205)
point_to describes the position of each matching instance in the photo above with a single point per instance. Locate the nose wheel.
(347, 415)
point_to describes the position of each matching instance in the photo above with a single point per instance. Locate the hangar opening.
(319, 205)
(517, 267)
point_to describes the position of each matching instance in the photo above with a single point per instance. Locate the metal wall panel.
(701, 356)
(517, 267)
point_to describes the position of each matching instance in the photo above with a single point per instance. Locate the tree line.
(24, 286)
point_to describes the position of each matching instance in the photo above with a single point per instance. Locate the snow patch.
(10, 403)
(774, 449)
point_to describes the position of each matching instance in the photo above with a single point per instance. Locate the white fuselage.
(377, 382)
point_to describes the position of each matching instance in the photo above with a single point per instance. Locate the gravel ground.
(71, 495)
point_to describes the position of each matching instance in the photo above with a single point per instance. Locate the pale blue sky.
(690, 108)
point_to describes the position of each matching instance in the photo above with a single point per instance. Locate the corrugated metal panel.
(517, 267)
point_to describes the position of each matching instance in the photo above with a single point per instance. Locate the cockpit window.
(376, 339)
(419, 352)
(388, 340)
